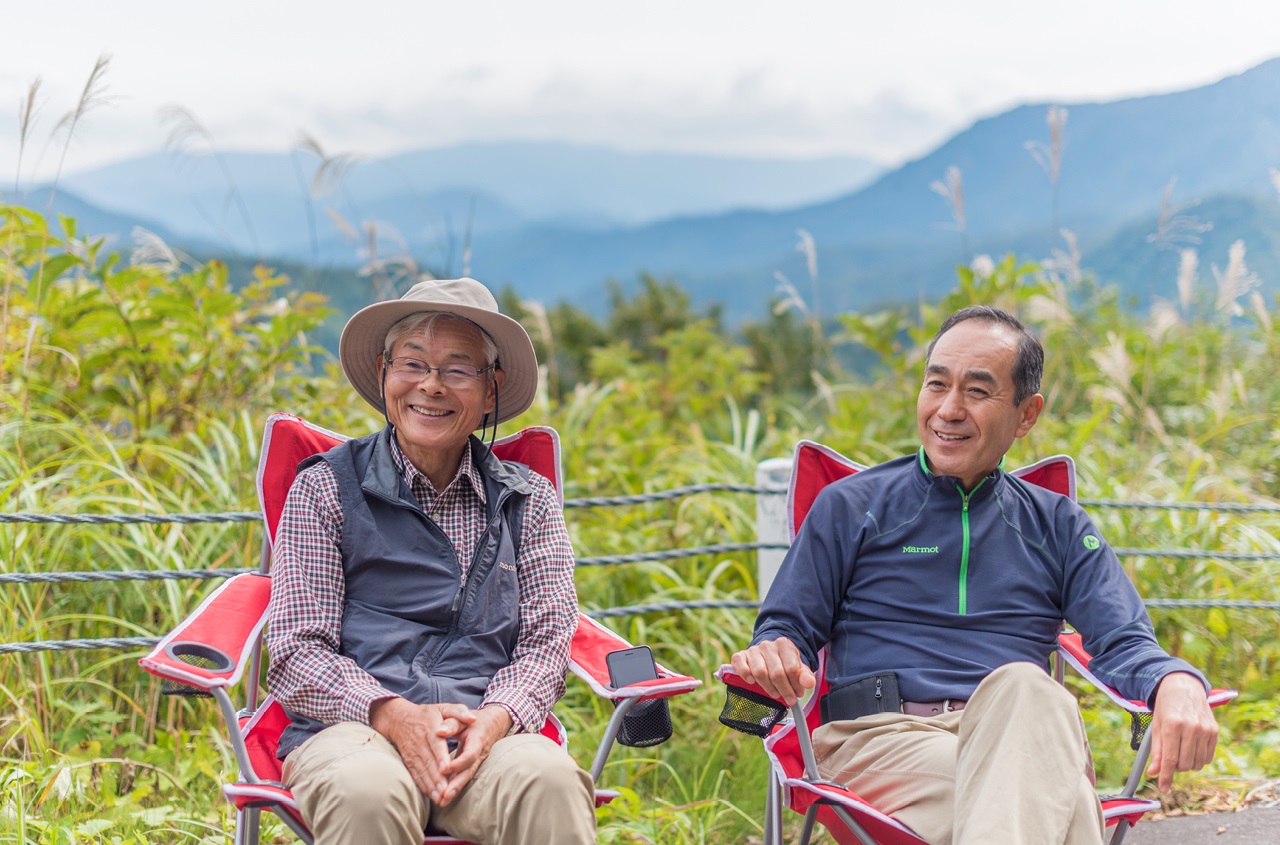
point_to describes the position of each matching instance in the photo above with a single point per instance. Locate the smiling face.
(965, 412)
(433, 421)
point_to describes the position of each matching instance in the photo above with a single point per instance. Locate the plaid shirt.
(309, 676)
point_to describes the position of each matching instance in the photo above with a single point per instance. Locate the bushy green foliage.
(141, 388)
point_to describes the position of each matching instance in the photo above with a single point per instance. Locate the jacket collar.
(949, 484)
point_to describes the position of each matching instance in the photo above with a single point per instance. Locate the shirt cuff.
(519, 723)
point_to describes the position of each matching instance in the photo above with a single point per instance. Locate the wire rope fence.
(767, 543)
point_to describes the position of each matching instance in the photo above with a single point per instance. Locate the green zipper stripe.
(964, 559)
(964, 550)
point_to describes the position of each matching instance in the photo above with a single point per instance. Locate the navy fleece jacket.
(898, 570)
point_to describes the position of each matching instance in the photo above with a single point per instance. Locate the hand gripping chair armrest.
(747, 707)
(850, 819)
(1071, 649)
(1124, 810)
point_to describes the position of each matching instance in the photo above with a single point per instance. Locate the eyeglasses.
(413, 370)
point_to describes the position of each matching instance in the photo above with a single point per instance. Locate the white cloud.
(804, 78)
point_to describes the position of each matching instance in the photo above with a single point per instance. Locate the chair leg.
(247, 826)
(810, 818)
(852, 823)
(1122, 829)
(773, 813)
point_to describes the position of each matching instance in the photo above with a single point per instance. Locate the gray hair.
(1028, 364)
(425, 321)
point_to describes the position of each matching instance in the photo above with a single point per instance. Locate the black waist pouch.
(861, 697)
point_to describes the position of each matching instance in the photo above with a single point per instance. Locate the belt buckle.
(946, 705)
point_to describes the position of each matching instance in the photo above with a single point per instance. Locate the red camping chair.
(210, 651)
(795, 782)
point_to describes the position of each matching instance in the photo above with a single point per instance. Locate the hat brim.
(366, 332)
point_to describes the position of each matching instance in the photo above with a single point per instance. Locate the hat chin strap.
(382, 394)
(485, 422)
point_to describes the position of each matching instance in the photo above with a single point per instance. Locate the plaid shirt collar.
(466, 469)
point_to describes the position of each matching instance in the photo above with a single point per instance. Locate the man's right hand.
(777, 667)
(420, 732)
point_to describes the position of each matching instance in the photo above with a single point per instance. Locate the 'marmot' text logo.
(919, 550)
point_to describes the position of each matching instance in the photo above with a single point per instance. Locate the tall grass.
(1172, 409)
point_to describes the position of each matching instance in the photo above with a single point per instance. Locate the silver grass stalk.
(184, 129)
(150, 250)
(1188, 272)
(28, 114)
(791, 297)
(951, 189)
(1259, 305)
(1164, 317)
(1173, 226)
(1066, 264)
(333, 169)
(1049, 156)
(1234, 282)
(93, 94)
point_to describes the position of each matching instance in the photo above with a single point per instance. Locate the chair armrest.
(592, 642)
(1071, 649)
(211, 647)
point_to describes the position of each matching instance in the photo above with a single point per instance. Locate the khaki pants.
(352, 788)
(1012, 767)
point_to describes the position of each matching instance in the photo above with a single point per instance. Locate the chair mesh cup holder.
(750, 712)
(646, 725)
(200, 656)
(1138, 729)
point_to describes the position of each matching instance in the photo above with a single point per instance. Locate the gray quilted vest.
(409, 618)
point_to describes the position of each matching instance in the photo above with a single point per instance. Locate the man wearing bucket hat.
(423, 599)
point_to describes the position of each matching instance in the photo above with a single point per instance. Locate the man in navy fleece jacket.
(941, 575)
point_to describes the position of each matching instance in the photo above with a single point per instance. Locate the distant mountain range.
(554, 220)
(261, 201)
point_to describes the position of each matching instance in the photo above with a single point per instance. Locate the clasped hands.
(421, 734)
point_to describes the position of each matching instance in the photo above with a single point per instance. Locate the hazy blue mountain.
(892, 238)
(550, 219)
(263, 203)
(90, 219)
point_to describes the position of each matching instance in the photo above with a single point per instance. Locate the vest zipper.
(457, 597)
(455, 611)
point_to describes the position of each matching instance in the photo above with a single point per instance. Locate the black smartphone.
(631, 665)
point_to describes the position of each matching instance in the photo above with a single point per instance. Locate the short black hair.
(1028, 365)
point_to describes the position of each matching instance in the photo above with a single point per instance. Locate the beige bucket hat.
(365, 335)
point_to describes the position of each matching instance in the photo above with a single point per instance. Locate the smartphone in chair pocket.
(649, 722)
(631, 666)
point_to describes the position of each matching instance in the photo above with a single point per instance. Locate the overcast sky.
(886, 80)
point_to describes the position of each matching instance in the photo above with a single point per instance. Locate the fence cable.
(602, 560)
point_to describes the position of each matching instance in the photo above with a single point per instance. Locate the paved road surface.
(1253, 826)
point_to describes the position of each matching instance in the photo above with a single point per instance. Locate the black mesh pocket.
(198, 655)
(1138, 729)
(750, 712)
(646, 725)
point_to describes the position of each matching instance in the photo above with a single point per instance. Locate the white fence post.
(771, 519)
